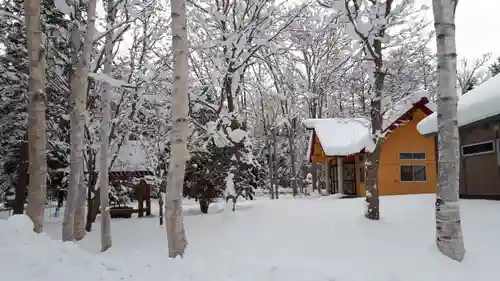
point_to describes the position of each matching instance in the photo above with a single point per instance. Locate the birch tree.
(449, 236)
(105, 131)
(176, 234)
(73, 227)
(36, 116)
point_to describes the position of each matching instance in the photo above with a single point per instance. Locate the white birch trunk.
(449, 236)
(36, 116)
(74, 214)
(176, 234)
(79, 221)
(105, 124)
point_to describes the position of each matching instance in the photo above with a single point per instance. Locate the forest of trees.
(103, 73)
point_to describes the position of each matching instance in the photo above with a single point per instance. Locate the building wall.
(406, 138)
(480, 174)
(317, 154)
(360, 179)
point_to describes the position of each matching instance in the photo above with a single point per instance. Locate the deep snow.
(287, 239)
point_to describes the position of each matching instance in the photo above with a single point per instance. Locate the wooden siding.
(480, 174)
(406, 138)
(317, 154)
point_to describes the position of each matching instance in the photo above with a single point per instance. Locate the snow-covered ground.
(304, 239)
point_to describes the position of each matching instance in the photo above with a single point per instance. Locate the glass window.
(412, 156)
(498, 151)
(413, 173)
(478, 148)
(419, 173)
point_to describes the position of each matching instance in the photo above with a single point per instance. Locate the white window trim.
(479, 153)
(425, 156)
(422, 165)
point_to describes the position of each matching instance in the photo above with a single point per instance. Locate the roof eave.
(493, 118)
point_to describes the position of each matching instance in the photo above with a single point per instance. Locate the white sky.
(477, 27)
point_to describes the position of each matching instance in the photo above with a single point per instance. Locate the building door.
(350, 179)
(334, 176)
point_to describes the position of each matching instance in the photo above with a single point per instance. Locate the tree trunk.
(292, 157)
(93, 204)
(78, 104)
(449, 236)
(276, 185)
(371, 197)
(204, 204)
(22, 180)
(36, 116)
(160, 205)
(74, 213)
(176, 234)
(105, 124)
(372, 210)
(271, 168)
(79, 219)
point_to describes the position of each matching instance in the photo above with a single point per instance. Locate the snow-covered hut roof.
(346, 136)
(131, 158)
(341, 136)
(480, 103)
(402, 106)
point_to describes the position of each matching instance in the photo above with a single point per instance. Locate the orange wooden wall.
(406, 138)
(318, 156)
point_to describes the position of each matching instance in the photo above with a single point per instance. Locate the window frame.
(498, 151)
(413, 159)
(478, 153)
(413, 173)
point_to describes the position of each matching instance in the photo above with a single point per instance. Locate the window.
(412, 156)
(478, 148)
(413, 173)
(498, 151)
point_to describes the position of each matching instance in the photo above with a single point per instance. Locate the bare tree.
(372, 48)
(449, 236)
(467, 74)
(36, 116)
(176, 234)
(105, 129)
(370, 21)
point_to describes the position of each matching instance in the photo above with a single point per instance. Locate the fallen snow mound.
(29, 256)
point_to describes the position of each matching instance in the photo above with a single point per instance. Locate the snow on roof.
(131, 158)
(345, 136)
(400, 107)
(342, 136)
(476, 105)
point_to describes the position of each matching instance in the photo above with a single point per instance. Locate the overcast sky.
(477, 27)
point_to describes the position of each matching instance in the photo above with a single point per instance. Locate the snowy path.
(307, 240)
